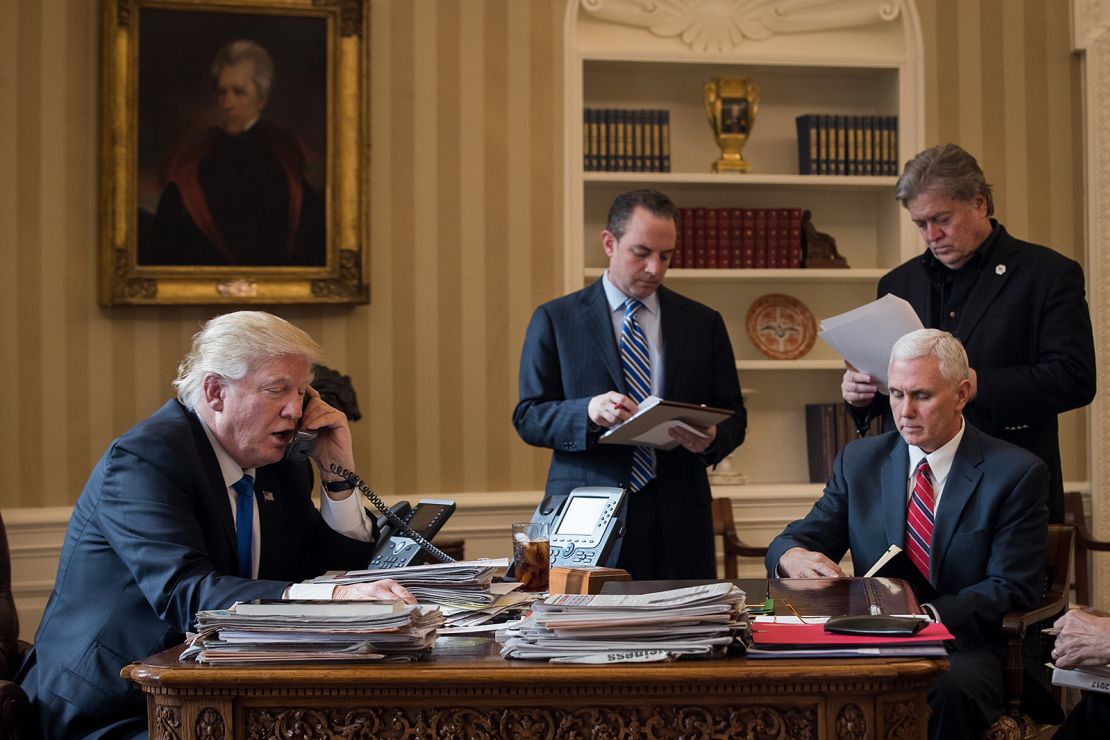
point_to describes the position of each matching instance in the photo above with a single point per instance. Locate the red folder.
(767, 634)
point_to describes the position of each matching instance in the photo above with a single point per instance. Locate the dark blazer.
(151, 541)
(989, 537)
(1028, 336)
(570, 355)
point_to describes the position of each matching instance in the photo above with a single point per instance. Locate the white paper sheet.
(864, 336)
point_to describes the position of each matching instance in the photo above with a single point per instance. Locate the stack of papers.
(309, 630)
(506, 611)
(463, 585)
(699, 621)
(790, 637)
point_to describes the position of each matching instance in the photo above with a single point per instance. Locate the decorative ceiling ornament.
(723, 25)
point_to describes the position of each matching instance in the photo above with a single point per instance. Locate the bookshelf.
(861, 58)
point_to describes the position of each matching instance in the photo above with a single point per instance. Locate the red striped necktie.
(919, 518)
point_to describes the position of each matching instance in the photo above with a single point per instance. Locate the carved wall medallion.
(724, 25)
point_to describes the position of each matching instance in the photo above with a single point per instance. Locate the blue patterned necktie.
(244, 522)
(636, 361)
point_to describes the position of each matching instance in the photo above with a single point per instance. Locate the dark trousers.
(642, 545)
(967, 698)
(1089, 719)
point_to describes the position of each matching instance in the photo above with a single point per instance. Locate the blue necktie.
(636, 361)
(244, 522)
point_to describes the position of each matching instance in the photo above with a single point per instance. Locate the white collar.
(940, 459)
(229, 469)
(616, 297)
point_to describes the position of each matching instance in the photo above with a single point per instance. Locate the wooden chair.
(1015, 723)
(732, 547)
(1084, 545)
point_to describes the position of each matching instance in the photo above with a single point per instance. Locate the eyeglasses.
(795, 612)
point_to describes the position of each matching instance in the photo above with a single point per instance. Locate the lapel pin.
(267, 496)
(1000, 269)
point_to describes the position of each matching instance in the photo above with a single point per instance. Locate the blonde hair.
(229, 344)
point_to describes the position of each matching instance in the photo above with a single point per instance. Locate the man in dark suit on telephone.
(195, 508)
(1018, 308)
(591, 357)
(969, 512)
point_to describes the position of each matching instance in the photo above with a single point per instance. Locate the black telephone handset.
(303, 442)
(433, 510)
(301, 445)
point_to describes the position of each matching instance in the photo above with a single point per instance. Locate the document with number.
(1088, 678)
(653, 420)
(864, 336)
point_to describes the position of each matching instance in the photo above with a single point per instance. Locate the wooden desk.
(466, 690)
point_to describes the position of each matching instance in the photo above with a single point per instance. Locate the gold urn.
(731, 104)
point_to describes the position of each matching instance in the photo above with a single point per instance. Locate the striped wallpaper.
(466, 183)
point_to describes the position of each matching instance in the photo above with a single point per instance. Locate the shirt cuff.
(310, 591)
(348, 517)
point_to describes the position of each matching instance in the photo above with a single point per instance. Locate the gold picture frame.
(204, 202)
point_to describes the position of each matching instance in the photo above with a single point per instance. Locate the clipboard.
(650, 425)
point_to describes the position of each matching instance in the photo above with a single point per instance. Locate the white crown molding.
(1091, 38)
(724, 25)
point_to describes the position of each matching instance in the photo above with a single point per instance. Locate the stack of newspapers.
(459, 585)
(702, 621)
(291, 631)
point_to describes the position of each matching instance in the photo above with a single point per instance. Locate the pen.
(1050, 631)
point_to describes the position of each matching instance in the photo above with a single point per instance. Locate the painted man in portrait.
(236, 193)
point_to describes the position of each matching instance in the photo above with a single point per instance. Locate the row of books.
(830, 426)
(847, 145)
(712, 238)
(623, 140)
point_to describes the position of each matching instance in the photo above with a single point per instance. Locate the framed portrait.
(234, 151)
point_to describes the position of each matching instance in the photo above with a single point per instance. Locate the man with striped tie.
(591, 357)
(969, 510)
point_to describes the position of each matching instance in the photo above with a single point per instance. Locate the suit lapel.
(894, 478)
(962, 481)
(216, 490)
(993, 278)
(596, 316)
(672, 335)
(918, 291)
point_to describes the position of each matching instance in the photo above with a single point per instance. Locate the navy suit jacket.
(150, 543)
(1028, 336)
(570, 355)
(989, 536)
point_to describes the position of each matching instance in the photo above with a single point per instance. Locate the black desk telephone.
(404, 531)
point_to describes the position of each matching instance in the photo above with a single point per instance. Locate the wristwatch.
(337, 486)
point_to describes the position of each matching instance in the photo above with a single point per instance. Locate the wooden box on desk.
(567, 580)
